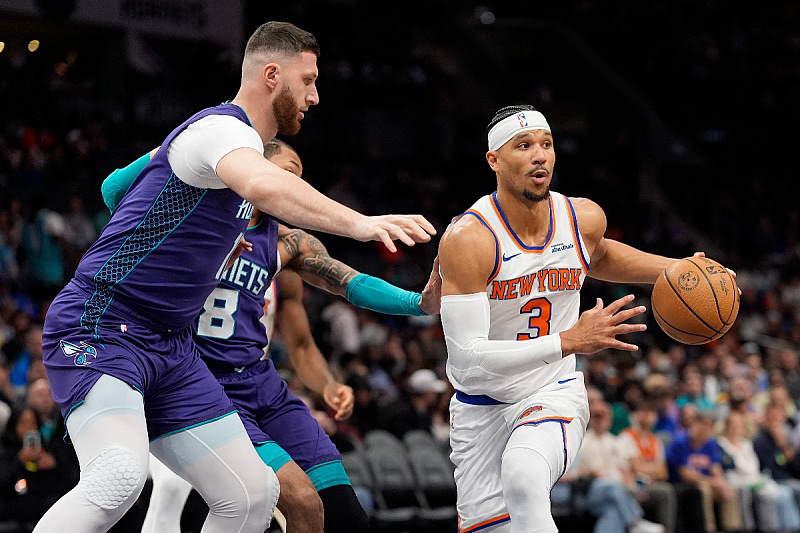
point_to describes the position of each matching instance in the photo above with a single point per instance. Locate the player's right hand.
(598, 327)
(409, 229)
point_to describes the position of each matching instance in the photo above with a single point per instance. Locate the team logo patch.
(80, 352)
(688, 281)
(529, 410)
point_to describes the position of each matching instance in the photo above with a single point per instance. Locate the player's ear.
(271, 74)
(491, 157)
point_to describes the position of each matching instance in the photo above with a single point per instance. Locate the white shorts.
(480, 435)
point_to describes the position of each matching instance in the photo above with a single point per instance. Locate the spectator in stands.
(32, 351)
(742, 398)
(20, 319)
(365, 407)
(658, 388)
(756, 371)
(599, 373)
(657, 362)
(648, 464)
(413, 407)
(694, 462)
(343, 328)
(40, 399)
(33, 474)
(787, 364)
(777, 394)
(594, 396)
(630, 394)
(599, 475)
(775, 506)
(43, 242)
(686, 418)
(693, 391)
(380, 373)
(774, 451)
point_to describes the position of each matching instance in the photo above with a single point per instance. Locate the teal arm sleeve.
(117, 183)
(377, 295)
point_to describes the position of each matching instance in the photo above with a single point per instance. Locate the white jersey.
(534, 290)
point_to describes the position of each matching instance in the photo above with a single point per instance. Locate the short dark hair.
(507, 112)
(281, 37)
(275, 146)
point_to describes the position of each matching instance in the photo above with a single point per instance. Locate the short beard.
(286, 110)
(533, 197)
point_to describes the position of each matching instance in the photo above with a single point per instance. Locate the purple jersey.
(229, 332)
(166, 245)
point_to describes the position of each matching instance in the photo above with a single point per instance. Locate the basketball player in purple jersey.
(117, 340)
(231, 337)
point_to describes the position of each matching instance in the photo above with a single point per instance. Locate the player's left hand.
(731, 272)
(431, 301)
(340, 398)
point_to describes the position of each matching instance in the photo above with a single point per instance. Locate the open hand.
(409, 229)
(598, 328)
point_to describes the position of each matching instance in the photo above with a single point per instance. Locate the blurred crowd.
(712, 431)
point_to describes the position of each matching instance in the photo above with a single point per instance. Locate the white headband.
(510, 126)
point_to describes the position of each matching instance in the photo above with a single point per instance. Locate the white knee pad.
(113, 477)
(273, 491)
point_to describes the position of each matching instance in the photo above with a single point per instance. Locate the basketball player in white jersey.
(512, 268)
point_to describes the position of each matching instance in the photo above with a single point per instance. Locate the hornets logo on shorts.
(80, 352)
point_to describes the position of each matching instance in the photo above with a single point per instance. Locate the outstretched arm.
(307, 361)
(307, 256)
(285, 196)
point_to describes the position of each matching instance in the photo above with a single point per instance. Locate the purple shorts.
(178, 389)
(270, 412)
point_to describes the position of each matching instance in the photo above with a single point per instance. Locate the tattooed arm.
(304, 254)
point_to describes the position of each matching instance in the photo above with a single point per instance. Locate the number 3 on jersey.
(539, 322)
(217, 320)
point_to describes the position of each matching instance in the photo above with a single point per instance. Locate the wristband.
(375, 294)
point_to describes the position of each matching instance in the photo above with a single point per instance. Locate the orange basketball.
(695, 300)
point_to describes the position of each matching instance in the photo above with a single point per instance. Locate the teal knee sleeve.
(273, 455)
(327, 475)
